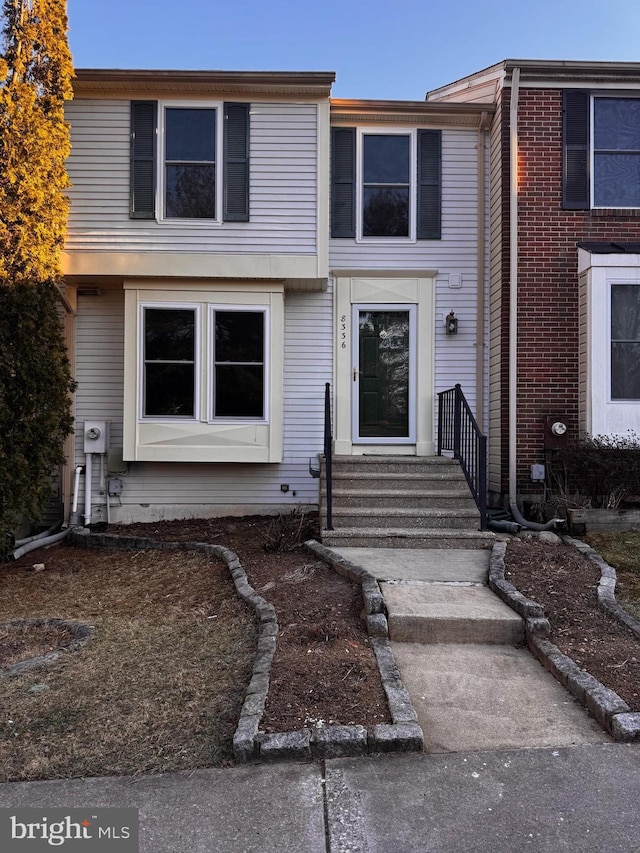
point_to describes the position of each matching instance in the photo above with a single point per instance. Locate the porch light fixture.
(451, 323)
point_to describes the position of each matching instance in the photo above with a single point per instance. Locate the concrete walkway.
(459, 651)
(580, 799)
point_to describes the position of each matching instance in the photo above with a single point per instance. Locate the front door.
(384, 374)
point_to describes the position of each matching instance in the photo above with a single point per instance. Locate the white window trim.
(218, 106)
(592, 173)
(619, 401)
(254, 309)
(413, 182)
(192, 306)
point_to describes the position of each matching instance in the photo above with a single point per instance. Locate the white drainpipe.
(513, 285)
(87, 491)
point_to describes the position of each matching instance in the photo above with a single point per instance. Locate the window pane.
(239, 336)
(169, 335)
(239, 391)
(191, 192)
(616, 123)
(625, 312)
(386, 159)
(190, 135)
(616, 180)
(625, 371)
(385, 212)
(169, 390)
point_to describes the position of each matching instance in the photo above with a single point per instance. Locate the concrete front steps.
(460, 654)
(401, 502)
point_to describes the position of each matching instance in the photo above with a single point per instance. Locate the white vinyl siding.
(454, 254)
(171, 490)
(283, 192)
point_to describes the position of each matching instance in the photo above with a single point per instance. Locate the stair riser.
(410, 522)
(396, 468)
(408, 501)
(418, 629)
(455, 481)
(334, 539)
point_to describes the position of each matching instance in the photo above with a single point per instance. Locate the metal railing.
(328, 456)
(459, 432)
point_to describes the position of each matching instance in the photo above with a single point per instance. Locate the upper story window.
(601, 151)
(203, 152)
(190, 183)
(386, 185)
(616, 152)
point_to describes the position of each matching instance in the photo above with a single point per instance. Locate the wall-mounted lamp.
(451, 323)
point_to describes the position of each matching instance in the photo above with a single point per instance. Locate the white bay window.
(203, 373)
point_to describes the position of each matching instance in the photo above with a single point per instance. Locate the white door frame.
(355, 396)
(382, 288)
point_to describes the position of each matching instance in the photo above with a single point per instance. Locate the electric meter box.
(96, 436)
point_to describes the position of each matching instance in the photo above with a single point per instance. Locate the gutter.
(483, 126)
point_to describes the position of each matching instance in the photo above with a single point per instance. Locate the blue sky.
(378, 50)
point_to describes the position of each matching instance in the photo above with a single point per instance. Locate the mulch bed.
(565, 582)
(324, 670)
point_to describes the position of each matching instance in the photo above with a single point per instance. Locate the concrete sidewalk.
(580, 799)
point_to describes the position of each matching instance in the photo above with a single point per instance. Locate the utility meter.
(558, 428)
(96, 435)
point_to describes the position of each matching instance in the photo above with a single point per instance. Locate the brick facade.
(548, 278)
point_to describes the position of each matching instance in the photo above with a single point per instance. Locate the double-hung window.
(190, 148)
(625, 341)
(190, 161)
(170, 361)
(601, 151)
(385, 184)
(616, 152)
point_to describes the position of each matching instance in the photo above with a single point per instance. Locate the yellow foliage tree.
(35, 378)
(35, 80)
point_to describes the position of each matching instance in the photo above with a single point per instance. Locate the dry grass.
(158, 688)
(622, 551)
(21, 642)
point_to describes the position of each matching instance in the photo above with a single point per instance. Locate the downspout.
(480, 308)
(513, 310)
(513, 283)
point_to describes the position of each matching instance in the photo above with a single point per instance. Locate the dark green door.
(383, 375)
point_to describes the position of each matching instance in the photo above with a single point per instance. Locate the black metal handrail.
(328, 456)
(459, 432)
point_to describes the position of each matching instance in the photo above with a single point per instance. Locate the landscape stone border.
(80, 632)
(249, 743)
(605, 705)
(403, 734)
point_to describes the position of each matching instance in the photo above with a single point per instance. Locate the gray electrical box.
(96, 436)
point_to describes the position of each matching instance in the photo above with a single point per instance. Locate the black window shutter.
(142, 190)
(236, 163)
(343, 182)
(429, 185)
(575, 149)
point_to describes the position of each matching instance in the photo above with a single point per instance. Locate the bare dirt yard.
(564, 581)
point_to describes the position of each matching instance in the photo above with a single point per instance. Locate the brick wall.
(548, 278)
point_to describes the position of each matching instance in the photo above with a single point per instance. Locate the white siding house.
(212, 305)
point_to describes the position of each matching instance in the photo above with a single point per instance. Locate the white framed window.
(386, 184)
(238, 360)
(169, 361)
(190, 177)
(624, 328)
(203, 372)
(615, 152)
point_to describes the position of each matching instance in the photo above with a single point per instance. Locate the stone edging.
(80, 632)
(606, 586)
(605, 705)
(249, 744)
(403, 734)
